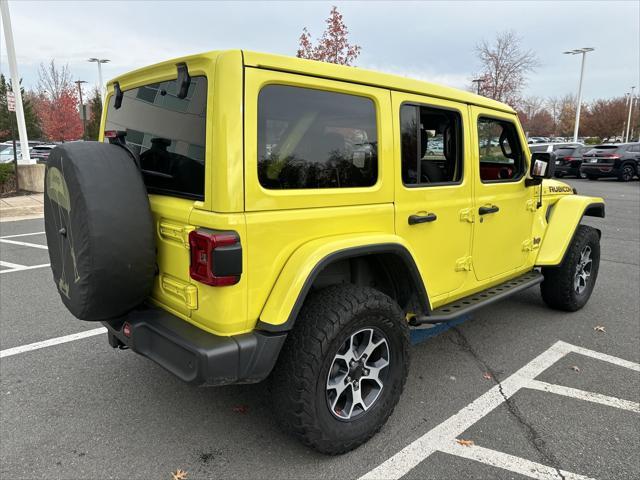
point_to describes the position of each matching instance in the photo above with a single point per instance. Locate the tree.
(566, 116)
(6, 117)
(95, 115)
(504, 67)
(333, 46)
(605, 118)
(57, 104)
(534, 116)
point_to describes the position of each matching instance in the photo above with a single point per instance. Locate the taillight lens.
(110, 133)
(216, 257)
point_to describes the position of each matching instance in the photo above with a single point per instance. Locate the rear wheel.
(569, 285)
(342, 369)
(627, 173)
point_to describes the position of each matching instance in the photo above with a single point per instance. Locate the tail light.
(216, 257)
(614, 157)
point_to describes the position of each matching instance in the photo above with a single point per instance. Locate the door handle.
(429, 217)
(486, 210)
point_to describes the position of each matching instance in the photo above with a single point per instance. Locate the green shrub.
(7, 170)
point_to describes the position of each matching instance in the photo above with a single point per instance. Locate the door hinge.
(464, 264)
(184, 292)
(176, 233)
(466, 215)
(532, 205)
(531, 244)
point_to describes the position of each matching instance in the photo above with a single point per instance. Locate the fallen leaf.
(599, 328)
(487, 376)
(241, 409)
(575, 368)
(179, 474)
(465, 443)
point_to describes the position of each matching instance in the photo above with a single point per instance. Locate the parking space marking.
(22, 235)
(443, 436)
(20, 268)
(13, 266)
(582, 395)
(51, 342)
(510, 462)
(24, 244)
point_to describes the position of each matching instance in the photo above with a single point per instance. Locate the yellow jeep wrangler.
(249, 216)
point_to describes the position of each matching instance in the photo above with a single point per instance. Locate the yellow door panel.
(260, 198)
(502, 201)
(442, 242)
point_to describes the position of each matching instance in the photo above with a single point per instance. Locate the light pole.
(84, 115)
(626, 138)
(99, 61)
(477, 81)
(583, 51)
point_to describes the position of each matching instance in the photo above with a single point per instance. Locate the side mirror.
(543, 165)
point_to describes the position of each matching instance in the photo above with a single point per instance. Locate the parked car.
(6, 152)
(569, 159)
(40, 153)
(284, 219)
(604, 161)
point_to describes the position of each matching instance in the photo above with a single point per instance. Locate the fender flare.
(563, 219)
(306, 263)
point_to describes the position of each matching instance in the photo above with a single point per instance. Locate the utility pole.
(477, 81)
(577, 51)
(84, 116)
(626, 139)
(100, 61)
(15, 83)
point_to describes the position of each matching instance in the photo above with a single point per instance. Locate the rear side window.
(431, 145)
(168, 133)
(309, 139)
(501, 157)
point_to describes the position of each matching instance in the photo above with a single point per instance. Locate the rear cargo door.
(168, 133)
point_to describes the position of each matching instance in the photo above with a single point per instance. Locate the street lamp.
(99, 61)
(583, 51)
(626, 138)
(84, 116)
(478, 81)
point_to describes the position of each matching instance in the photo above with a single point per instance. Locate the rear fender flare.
(306, 263)
(563, 221)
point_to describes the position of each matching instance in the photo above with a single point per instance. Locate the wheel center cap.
(357, 371)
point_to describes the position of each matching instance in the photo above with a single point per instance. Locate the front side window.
(501, 158)
(168, 133)
(431, 145)
(310, 139)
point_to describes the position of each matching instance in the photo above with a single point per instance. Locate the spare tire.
(100, 231)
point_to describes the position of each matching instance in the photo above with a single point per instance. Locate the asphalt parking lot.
(515, 391)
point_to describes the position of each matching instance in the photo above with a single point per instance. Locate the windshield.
(168, 133)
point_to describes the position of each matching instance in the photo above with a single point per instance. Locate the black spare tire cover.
(100, 230)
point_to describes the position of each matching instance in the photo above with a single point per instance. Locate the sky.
(431, 41)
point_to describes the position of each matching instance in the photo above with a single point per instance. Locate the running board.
(478, 300)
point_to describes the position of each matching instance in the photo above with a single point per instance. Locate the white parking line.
(582, 395)
(22, 235)
(510, 462)
(443, 436)
(24, 244)
(11, 265)
(51, 342)
(20, 268)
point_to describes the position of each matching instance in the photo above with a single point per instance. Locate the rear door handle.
(486, 210)
(429, 217)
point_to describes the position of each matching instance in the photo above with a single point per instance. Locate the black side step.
(477, 300)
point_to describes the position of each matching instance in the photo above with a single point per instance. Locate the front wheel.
(343, 368)
(568, 286)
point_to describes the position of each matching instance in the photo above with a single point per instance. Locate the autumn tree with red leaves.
(333, 46)
(57, 104)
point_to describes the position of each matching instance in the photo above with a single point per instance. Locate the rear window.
(310, 139)
(168, 133)
(565, 151)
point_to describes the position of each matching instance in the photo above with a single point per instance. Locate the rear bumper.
(568, 170)
(193, 355)
(600, 170)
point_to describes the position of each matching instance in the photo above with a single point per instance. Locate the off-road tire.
(627, 173)
(557, 289)
(298, 383)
